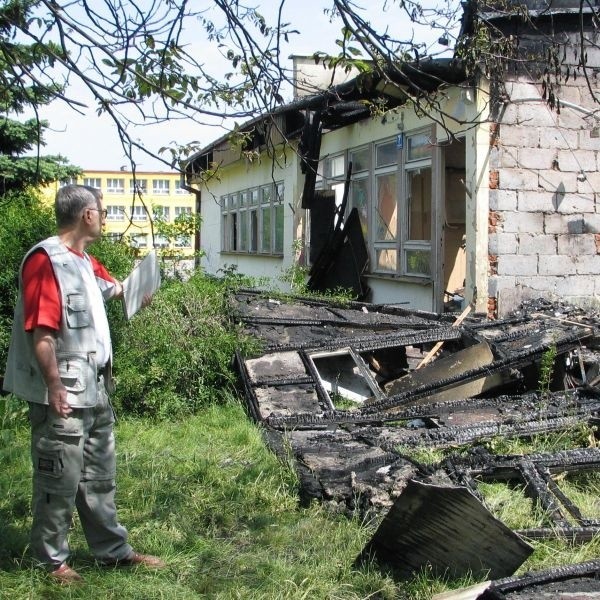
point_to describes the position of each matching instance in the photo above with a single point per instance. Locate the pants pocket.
(48, 458)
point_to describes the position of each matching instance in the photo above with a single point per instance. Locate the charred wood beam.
(515, 584)
(537, 487)
(371, 342)
(573, 534)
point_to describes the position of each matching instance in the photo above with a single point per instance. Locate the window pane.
(244, 199)
(387, 260)
(360, 159)
(418, 146)
(115, 213)
(265, 195)
(359, 199)
(419, 204)
(233, 232)
(244, 231)
(386, 154)
(386, 219)
(336, 166)
(253, 231)
(265, 244)
(418, 262)
(254, 197)
(279, 228)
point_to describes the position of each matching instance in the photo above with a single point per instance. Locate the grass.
(207, 495)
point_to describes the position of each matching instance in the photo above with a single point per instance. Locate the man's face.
(95, 218)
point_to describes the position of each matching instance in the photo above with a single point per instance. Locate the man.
(59, 360)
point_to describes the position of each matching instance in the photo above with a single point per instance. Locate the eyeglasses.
(102, 212)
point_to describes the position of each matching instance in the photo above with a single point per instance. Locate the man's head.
(71, 202)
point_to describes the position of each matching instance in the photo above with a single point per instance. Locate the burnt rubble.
(350, 393)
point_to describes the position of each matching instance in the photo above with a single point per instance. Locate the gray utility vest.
(75, 341)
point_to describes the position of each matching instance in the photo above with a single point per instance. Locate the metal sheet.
(447, 529)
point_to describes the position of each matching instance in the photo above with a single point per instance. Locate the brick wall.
(544, 222)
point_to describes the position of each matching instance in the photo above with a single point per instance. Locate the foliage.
(176, 354)
(25, 221)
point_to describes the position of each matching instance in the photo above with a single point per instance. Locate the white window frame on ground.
(115, 185)
(252, 220)
(161, 186)
(115, 212)
(94, 182)
(138, 186)
(139, 213)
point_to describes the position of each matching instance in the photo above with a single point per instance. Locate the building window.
(391, 188)
(113, 236)
(161, 212)
(115, 186)
(182, 210)
(252, 220)
(68, 181)
(138, 213)
(179, 189)
(160, 186)
(183, 241)
(160, 241)
(94, 182)
(139, 240)
(138, 186)
(115, 213)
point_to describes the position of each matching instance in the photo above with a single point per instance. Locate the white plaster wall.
(239, 176)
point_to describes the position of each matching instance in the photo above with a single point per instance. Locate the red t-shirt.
(41, 294)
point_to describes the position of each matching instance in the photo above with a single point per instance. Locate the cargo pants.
(74, 466)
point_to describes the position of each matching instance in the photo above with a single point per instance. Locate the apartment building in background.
(135, 204)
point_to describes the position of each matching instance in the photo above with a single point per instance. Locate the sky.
(91, 141)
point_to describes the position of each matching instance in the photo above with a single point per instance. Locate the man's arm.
(44, 348)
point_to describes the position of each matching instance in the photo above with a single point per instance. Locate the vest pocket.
(77, 312)
(78, 375)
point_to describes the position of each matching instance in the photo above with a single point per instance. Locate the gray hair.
(71, 200)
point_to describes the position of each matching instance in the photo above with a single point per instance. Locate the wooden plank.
(463, 315)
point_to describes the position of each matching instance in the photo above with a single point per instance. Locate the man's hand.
(44, 347)
(57, 399)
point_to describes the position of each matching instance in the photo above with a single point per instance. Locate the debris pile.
(351, 391)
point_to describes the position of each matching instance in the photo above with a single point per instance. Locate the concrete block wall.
(544, 200)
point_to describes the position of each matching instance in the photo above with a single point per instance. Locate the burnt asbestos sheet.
(346, 391)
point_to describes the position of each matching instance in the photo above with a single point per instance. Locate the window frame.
(252, 220)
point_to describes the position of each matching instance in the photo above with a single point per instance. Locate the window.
(138, 213)
(179, 189)
(160, 241)
(183, 241)
(92, 182)
(115, 213)
(68, 181)
(160, 186)
(115, 186)
(138, 186)
(113, 236)
(252, 220)
(139, 240)
(161, 212)
(182, 210)
(391, 187)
